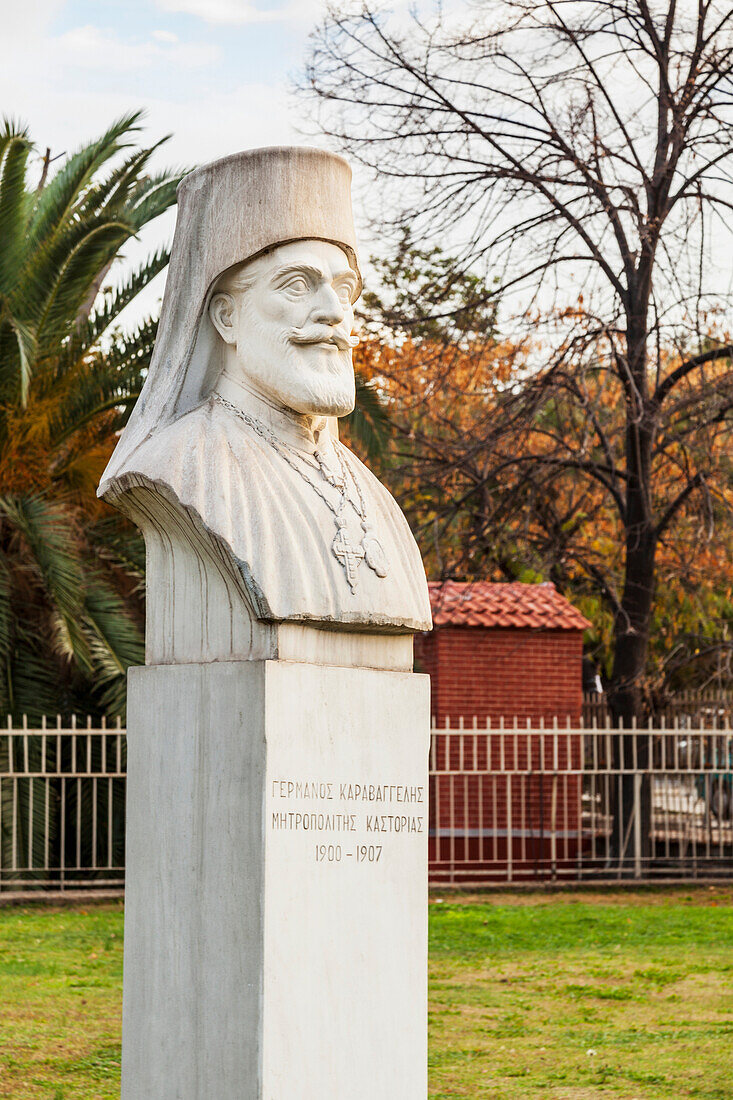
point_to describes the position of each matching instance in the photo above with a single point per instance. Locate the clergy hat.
(230, 211)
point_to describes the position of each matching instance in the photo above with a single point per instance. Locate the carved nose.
(328, 310)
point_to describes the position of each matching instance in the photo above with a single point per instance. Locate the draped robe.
(263, 521)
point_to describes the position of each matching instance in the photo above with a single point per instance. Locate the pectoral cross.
(348, 555)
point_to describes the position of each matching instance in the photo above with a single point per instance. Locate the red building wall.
(502, 673)
(481, 672)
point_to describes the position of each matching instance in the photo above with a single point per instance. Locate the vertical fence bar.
(509, 829)
(637, 781)
(47, 801)
(691, 785)
(480, 786)
(722, 764)
(637, 825)
(29, 781)
(534, 820)
(95, 794)
(595, 795)
(502, 772)
(523, 784)
(466, 799)
(14, 806)
(620, 823)
(553, 805)
(451, 805)
(437, 784)
(3, 736)
(495, 823)
(570, 783)
(75, 737)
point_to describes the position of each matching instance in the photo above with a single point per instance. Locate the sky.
(215, 74)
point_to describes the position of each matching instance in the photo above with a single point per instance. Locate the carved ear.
(221, 312)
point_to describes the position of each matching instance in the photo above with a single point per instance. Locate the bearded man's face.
(289, 315)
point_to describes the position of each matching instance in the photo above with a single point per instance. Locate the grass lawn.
(563, 995)
(575, 996)
(60, 1002)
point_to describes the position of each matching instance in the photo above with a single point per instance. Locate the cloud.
(24, 21)
(91, 47)
(239, 12)
(223, 11)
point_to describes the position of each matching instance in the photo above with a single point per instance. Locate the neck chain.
(349, 556)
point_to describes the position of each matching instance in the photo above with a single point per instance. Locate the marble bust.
(255, 516)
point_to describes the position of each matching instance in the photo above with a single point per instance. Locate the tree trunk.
(633, 621)
(631, 629)
(626, 700)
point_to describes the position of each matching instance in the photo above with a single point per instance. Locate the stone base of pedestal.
(275, 915)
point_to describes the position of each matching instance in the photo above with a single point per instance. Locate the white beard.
(306, 378)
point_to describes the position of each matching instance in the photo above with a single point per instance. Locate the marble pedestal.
(276, 920)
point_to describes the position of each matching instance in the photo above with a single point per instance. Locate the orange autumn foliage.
(492, 492)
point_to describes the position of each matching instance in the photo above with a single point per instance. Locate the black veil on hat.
(229, 211)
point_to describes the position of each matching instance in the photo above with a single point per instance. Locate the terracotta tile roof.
(523, 606)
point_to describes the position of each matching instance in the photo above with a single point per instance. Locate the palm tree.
(69, 374)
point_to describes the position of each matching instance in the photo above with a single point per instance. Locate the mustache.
(323, 334)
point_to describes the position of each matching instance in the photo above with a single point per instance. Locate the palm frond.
(369, 422)
(27, 343)
(112, 190)
(6, 612)
(60, 197)
(10, 129)
(159, 195)
(36, 690)
(69, 376)
(13, 208)
(47, 530)
(118, 299)
(47, 265)
(118, 542)
(69, 285)
(115, 640)
(104, 382)
(7, 636)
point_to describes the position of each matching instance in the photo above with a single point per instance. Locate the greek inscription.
(393, 823)
(295, 788)
(326, 791)
(291, 819)
(342, 809)
(380, 792)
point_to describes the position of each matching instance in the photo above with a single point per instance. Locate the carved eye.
(344, 291)
(297, 285)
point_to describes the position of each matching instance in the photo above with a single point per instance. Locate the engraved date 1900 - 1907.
(362, 853)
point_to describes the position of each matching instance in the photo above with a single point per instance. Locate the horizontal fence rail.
(508, 804)
(684, 709)
(62, 807)
(578, 804)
